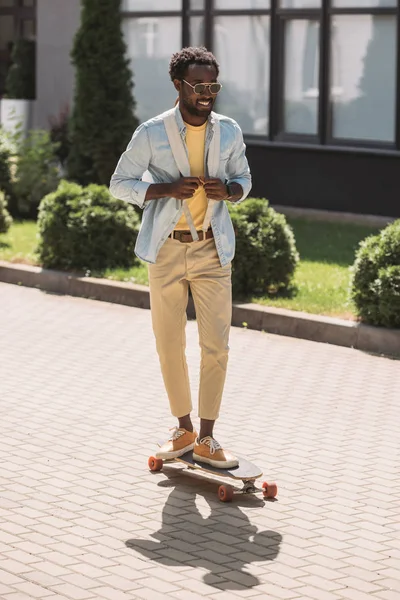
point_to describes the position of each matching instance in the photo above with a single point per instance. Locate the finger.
(192, 180)
(190, 186)
(189, 193)
(214, 183)
(214, 186)
(215, 196)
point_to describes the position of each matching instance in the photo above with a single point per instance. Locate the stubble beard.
(195, 112)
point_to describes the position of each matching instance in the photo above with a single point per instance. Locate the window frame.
(278, 17)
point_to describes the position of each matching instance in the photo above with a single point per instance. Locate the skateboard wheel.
(225, 493)
(270, 490)
(155, 464)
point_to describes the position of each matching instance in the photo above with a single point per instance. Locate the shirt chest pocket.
(226, 148)
(163, 159)
(223, 164)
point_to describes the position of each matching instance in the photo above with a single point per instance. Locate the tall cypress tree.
(103, 115)
(21, 78)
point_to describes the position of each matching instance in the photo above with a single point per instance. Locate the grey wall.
(326, 178)
(57, 22)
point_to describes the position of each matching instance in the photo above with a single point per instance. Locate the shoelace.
(177, 433)
(213, 444)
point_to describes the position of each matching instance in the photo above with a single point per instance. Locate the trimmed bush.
(86, 229)
(21, 78)
(102, 121)
(266, 254)
(375, 284)
(5, 219)
(7, 151)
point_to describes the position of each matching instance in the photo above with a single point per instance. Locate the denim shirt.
(149, 151)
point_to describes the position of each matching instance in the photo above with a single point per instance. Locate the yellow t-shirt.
(195, 141)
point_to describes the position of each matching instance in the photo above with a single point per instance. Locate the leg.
(168, 299)
(212, 295)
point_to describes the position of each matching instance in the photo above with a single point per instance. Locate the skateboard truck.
(249, 487)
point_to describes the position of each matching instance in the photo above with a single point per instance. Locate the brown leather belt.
(186, 237)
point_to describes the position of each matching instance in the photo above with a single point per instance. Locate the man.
(197, 162)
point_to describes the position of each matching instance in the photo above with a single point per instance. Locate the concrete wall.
(57, 22)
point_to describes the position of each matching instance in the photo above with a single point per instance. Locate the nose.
(207, 92)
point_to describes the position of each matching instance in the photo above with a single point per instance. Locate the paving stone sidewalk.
(81, 517)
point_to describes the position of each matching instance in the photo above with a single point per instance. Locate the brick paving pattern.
(81, 517)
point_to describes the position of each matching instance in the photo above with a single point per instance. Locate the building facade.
(313, 84)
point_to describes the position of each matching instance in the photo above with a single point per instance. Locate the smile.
(205, 102)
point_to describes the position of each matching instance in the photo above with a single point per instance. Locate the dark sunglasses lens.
(199, 88)
(215, 88)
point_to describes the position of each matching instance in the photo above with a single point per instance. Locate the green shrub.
(5, 175)
(6, 153)
(375, 283)
(21, 78)
(86, 229)
(103, 119)
(59, 134)
(266, 255)
(36, 172)
(5, 219)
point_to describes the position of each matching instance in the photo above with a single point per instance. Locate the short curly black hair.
(188, 56)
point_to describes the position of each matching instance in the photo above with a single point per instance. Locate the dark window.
(17, 20)
(297, 71)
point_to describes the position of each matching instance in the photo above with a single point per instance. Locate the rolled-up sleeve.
(126, 183)
(238, 168)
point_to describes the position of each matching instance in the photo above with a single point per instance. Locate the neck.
(190, 119)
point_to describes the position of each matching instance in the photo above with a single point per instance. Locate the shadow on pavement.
(221, 543)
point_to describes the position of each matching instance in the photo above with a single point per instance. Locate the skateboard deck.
(246, 472)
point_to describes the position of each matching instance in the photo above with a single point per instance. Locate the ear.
(177, 84)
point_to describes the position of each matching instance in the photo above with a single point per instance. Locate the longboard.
(246, 472)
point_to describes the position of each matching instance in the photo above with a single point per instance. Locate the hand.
(184, 188)
(215, 189)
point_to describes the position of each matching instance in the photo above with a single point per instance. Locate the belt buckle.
(179, 235)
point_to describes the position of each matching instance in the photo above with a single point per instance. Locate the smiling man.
(197, 161)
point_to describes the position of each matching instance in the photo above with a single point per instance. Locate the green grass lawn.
(18, 245)
(322, 278)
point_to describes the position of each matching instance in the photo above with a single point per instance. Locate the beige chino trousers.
(178, 266)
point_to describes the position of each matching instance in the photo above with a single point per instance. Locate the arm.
(239, 178)
(126, 183)
(238, 184)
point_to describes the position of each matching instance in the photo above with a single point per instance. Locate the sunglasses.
(200, 88)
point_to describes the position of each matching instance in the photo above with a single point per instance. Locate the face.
(199, 105)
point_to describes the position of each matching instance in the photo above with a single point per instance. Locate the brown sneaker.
(180, 442)
(210, 451)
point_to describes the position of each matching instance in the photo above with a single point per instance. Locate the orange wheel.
(155, 464)
(225, 493)
(270, 490)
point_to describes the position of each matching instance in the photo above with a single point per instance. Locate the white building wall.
(57, 22)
